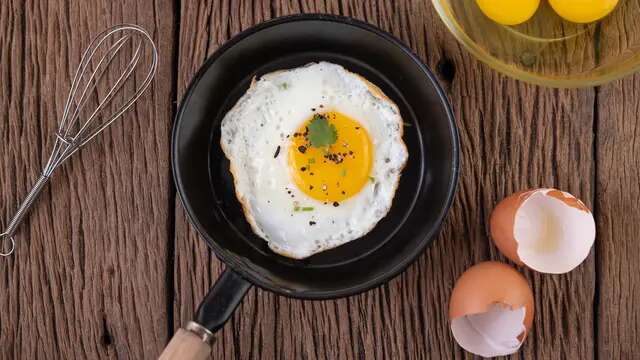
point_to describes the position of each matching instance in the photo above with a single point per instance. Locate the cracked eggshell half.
(547, 230)
(491, 309)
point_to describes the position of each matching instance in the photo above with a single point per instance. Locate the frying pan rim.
(240, 268)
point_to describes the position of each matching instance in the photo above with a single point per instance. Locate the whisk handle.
(20, 215)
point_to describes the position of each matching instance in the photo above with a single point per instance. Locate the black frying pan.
(205, 184)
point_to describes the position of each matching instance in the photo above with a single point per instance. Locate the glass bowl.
(547, 50)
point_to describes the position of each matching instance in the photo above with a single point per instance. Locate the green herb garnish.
(321, 132)
(309, 208)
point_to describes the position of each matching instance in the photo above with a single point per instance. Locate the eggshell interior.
(491, 309)
(554, 232)
(496, 332)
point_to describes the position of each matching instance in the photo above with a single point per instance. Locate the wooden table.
(108, 266)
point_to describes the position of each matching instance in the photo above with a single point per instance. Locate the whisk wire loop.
(91, 86)
(6, 250)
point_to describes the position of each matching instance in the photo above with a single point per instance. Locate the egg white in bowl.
(316, 154)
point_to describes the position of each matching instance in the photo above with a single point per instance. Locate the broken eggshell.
(547, 230)
(491, 309)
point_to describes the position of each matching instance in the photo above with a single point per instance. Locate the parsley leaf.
(321, 132)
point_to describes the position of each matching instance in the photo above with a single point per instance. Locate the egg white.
(275, 106)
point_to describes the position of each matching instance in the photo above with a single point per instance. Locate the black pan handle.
(222, 300)
(194, 341)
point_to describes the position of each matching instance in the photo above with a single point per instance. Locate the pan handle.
(194, 341)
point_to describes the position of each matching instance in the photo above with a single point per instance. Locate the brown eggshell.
(501, 223)
(568, 199)
(488, 283)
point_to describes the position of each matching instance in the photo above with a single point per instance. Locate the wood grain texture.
(88, 279)
(618, 159)
(513, 136)
(618, 196)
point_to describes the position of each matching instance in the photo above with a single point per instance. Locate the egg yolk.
(583, 11)
(334, 172)
(509, 12)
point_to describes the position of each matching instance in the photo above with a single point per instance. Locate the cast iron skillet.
(205, 184)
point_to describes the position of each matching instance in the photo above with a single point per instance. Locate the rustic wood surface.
(107, 265)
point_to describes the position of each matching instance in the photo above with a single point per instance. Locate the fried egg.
(316, 154)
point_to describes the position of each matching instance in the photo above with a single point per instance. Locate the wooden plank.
(618, 195)
(88, 277)
(618, 330)
(513, 136)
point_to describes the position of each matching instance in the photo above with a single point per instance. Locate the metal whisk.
(101, 63)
